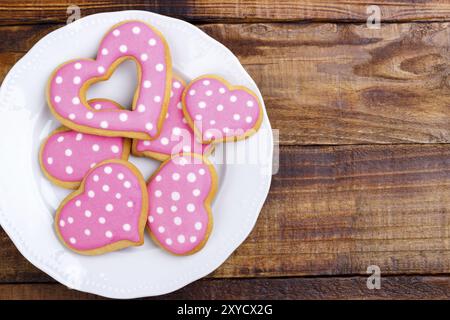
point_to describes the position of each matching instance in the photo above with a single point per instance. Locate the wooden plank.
(331, 83)
(397, 287)
(335, 211)
(51, 11)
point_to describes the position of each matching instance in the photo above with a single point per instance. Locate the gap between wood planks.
(200, 24)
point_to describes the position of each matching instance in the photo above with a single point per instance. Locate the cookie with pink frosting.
(180, 195)
(107, 213)
(218, 111)
(66, 156)
(68, 84)
(176, 135)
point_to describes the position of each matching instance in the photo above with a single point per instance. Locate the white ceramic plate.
(28, 201)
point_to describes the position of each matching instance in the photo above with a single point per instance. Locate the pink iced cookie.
(180, 195)
(66, 156)
(176, 135)
(107, 213)
(218, 111)
(66, 90)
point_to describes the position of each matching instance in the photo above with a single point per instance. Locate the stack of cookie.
(169, 121)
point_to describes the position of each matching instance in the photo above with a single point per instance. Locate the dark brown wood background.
(364, 120)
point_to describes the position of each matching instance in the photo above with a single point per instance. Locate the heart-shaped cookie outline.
(207, 204)
(248, 133)
(164, 156)
(118, 245)
(126, 150)
(108, 73)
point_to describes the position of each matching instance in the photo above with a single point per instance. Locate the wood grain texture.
(364, 125)
(331, 83)
(51, 11)
(335, 211)
(398, 287)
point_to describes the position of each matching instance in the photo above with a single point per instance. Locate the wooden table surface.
(364, 120)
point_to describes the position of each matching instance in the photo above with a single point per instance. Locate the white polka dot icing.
(66, 156)
(67, 100)
(181, 208)
(176, 136)
(220, 111)
(104, 223)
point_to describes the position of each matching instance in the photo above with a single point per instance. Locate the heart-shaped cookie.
(136, 40)
(180, 195)
(218, 111)
(107, 213)
(66, 156)
(176, 135)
